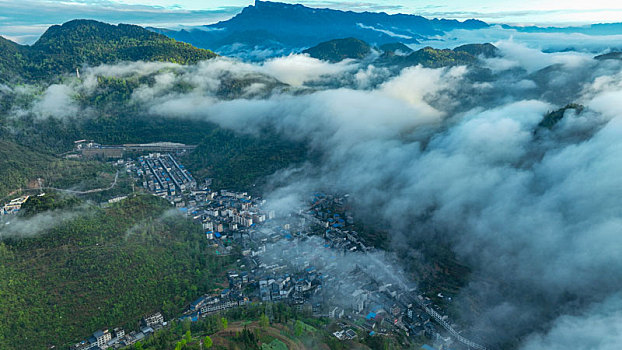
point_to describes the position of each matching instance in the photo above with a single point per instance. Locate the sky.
(25, 20)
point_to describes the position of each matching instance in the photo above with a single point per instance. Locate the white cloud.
(298, 69)
(56, 101)
(437, 155)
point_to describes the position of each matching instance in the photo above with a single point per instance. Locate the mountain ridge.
(63, 48)
(351, 48)
(286, 28)
(339, 49)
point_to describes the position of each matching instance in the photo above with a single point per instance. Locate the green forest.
(64, 48)
(236, 161)
(102, 268)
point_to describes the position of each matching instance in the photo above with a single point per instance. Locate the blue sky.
(25, 20)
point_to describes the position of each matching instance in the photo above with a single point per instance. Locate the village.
(292, 258)
(312, 259)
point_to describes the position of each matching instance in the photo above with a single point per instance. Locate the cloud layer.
(451, 156)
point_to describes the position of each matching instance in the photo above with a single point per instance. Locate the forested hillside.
(340, 49)
(21, 167)
(63, 49)
(352, 48)
(234, 160)
(104, 267)
(17, 165)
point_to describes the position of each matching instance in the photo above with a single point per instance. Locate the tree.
(188, 337)
(298, 328)
(224, 323)
(185, 325)
(207, 342)
(178, 346)
(264, 321)
(138, 346)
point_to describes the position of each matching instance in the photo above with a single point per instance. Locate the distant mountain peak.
(268, 4)
(284, 28)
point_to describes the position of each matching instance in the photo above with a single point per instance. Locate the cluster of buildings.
(227, 213)
(381, 304)
(298, 259)
(117, 338)
(208, 304)
(221, 213)
(90, 149)
(14, 206)
(330, 212)
(345, 334)
(164, 176)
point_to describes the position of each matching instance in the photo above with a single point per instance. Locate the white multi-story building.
(153, 320)
(118, 333)
(102, 337)
(208, 225)
(243, 219)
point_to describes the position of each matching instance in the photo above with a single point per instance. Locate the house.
(153, 320)
(15, 205)
(118, 333)
(264, 291)
(208, 225)
(147, 330)
(195, 305)
(139, 336)
(102, 337)
(303, 286)
(345, 334)
(219, 305)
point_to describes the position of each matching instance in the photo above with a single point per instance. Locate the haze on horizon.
(26, 20)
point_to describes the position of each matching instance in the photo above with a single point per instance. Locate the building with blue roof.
(193, 317)
(196, 303)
